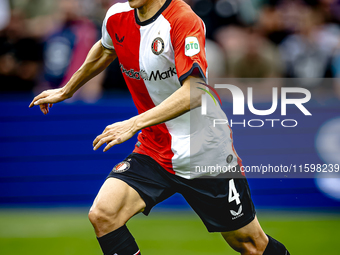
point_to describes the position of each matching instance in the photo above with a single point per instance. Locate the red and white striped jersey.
(155, 57)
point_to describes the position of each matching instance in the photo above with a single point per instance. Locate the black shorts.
(219, 209)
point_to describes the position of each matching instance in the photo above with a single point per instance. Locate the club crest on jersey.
(157, 46)
(192, 47)
(121, 167)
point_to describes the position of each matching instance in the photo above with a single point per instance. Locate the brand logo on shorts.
(157, 46)
(236, 214)
(121, 167)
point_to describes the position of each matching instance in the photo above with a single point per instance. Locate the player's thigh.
(117, 201)
(248, 238)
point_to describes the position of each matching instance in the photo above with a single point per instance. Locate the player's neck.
(149, 9)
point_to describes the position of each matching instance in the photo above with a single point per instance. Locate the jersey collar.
(149, 21)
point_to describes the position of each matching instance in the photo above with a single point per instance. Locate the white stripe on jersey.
(179, 127)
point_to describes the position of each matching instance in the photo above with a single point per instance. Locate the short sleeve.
(106, 38)
(188, 40)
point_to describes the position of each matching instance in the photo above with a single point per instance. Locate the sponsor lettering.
(155, 75)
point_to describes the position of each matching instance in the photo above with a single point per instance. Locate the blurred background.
(49, 174)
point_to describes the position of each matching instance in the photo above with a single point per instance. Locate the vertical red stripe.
(155, 140)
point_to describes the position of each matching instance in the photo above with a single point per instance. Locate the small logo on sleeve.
(192, 47)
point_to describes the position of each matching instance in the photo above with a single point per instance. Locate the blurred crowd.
(43, 42)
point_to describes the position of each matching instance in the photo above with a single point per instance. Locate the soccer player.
(161, 48)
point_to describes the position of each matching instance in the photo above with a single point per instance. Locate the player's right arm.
(96, 61)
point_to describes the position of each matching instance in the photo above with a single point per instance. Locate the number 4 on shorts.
(233, 194)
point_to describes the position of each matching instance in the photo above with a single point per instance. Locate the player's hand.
(47, 98)
(116, 133)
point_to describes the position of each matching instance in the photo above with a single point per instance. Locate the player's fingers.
(35, 99)
(106, 129)
(98, 138)
(103, 141)
(44, 108)
(112, 143)
(104, 134)
(42, 101)
(31, 104)
(100, 143)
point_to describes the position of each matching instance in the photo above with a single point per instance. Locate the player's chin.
(136, 3)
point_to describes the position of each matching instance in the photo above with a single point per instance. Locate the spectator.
(5, 14)
(244, 40)
(271, 24)
(67, 47)
(308, 53)
(249, 55)
(20, 56)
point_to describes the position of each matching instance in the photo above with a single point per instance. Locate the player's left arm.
(181, 101)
